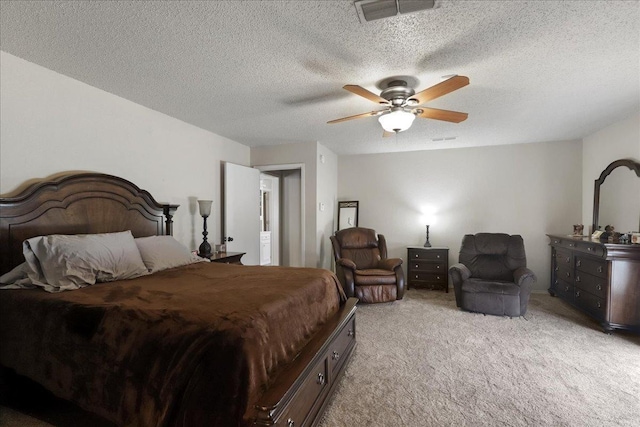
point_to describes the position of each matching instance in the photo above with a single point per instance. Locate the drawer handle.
(577, 293)
(566, 289)
(350, 333)
(416, 276)
(568, 260)
(577, 278)
(556, 241)
(416, 255)
(571, 245)
(438, 277)
(437, 256)
(598, 304)
(599, 287)
(437, 266)
(557, 268)
(290, 423)
(568, 274)
(579, 263)
(556, 283)
(320, 378)
(335, 355)
(600, 269)
(589, 248)
(416, 265)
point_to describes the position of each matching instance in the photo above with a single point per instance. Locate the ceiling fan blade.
(443, 88)
(386, 134)
(446, 115)
(357, 116)
(359, 90)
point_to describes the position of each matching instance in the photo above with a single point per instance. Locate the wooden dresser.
(600, 279)
(428, 267)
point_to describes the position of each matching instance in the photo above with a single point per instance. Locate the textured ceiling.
(271, 72)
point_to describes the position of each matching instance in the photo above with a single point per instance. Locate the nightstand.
(227, 257)
(428, 267)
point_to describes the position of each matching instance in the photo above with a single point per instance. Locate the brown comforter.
(192, 346)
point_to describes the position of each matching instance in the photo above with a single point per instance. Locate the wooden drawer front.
(421, 277)
(564, 274)
(591, 266)
(427, 255)
(312, 388)
(591, 248)
(563, 258)
(563, 289)
(342, 345)
(591, 303)
(427, 267)
(593, 284)
(564, 243)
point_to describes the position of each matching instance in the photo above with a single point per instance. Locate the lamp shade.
(396, 121)
(205, 207)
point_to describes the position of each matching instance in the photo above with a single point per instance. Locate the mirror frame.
(344, 205)
(631, 164)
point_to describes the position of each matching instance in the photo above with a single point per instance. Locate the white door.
(242, 211)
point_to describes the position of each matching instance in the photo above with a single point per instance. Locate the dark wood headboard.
(84, 203)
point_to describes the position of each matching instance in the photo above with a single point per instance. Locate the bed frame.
(98, 203)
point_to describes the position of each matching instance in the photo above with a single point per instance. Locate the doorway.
(282, 215)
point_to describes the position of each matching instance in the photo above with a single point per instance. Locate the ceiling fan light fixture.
(397, 121)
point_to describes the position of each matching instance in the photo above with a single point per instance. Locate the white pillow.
(162, 252)
(70, 262)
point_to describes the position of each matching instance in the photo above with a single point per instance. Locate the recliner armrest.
(462, 269)
(347, 263)
(389, 264)
(523, 275)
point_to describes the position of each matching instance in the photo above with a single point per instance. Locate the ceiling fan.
(403, 104)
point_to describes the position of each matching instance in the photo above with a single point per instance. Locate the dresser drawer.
(593, 284)
(568, 242)
(590, 303)
(427, 267)
(591, 266)
(428, 277)
(563, 289)
(428, 255)
(561, 258)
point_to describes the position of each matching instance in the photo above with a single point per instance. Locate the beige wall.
(527, 189)
(327, 195)
(621, 140)
(50, 123)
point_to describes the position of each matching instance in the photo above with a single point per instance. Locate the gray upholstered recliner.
(363, 268)
(492, 275)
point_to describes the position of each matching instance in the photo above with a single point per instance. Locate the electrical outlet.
(321, 207)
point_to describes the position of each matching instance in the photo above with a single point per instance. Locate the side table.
(428, 267)
(227, 257)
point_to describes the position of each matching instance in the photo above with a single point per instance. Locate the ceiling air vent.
(370, 10)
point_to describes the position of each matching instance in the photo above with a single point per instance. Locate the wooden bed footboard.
(300, 394)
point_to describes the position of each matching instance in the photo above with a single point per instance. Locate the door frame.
(293, 166)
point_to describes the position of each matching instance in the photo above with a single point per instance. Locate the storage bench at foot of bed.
(300, 394)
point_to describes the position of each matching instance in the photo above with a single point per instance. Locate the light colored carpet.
(423, 362)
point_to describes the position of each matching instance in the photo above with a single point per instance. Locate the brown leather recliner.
(363, 267)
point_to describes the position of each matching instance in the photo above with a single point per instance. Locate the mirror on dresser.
(616, 197)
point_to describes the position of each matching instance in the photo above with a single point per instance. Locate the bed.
(201, 344)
